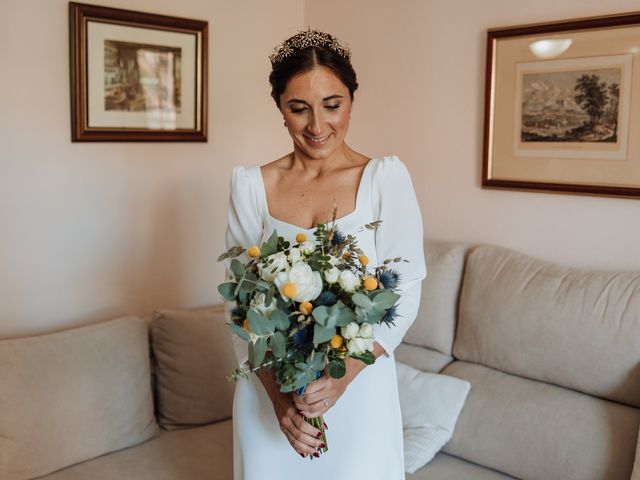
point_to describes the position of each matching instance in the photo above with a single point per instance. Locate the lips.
(316, 140)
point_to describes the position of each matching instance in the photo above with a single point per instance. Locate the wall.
(95, 230)
(421, 69)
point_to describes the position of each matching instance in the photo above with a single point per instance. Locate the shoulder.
(388, 167)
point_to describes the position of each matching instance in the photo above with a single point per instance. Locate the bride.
(313, 85)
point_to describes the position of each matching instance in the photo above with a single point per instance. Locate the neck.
(340, 156)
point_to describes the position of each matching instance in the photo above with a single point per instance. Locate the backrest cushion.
(193, 354)
(435, 324)
(71, 396)
(578, 329)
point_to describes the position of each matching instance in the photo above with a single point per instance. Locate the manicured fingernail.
(316, 454)
(302, 455)
(322, 445)
(318, 435)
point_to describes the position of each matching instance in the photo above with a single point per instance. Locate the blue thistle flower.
(390, 316)
(389, 278)
(326, 298)
(238, 314)
(303, 338)
(338, 238)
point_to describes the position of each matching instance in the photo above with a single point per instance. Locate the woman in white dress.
(313, 84)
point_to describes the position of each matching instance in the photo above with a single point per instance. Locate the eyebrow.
(330, 97)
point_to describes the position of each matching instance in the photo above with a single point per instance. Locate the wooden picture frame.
(562, 107)
(136, 76)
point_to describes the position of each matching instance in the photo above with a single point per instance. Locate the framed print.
(562, 107)
(136, 76)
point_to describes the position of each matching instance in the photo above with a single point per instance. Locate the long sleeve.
(244, 228)
(399, 235)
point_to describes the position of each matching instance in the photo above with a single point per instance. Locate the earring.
(285, 123)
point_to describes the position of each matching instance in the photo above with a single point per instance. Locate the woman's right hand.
(303, 437)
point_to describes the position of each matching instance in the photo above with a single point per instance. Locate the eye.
(298, 109)
(332, 107)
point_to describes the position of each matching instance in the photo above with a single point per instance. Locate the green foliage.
(337, 368)
(278, 345)
(367, 357)
(257, 351)
(227, 290)
(280, 319)
(259, 324)
(231, 253)
(241, 332)
(322, 334)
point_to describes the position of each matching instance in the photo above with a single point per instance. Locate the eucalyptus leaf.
(280, 319)
(321, 315)
(278, 345)
(337, 368)
(260, 325)
(345, 315)
(257, 351)
(241, 332)
(316, 361)
(385, 300)
(361, 300)
(237, 268)
(322, 334)
(227, 290)
(367, 357)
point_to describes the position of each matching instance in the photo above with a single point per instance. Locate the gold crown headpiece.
(308, 38)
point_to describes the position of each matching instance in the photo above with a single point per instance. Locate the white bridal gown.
(365, 428)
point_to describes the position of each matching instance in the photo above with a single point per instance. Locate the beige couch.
(552, 354)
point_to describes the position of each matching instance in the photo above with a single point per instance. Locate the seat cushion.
(447, 467)
(70, 396)
(200, 453)
(193, 356)
(577, 329)
(533, 430)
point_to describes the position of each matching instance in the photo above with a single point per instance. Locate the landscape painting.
(579, 105)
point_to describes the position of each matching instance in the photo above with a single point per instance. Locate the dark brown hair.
(303, 60)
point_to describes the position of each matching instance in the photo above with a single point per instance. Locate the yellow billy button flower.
(245, 325)
(305, 307)
(301, 237)
(254, 252)
(346, 255)
(336, 341)
(370, 283)
(364, 260)
(289, 289)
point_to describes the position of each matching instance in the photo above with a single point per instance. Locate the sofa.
(552, 355)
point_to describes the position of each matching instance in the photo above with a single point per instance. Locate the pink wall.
(91, 231)
(421, 69)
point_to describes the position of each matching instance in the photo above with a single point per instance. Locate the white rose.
(308, 247)
(258, 304)
(295, 255)
(368, 344)
(350, 331)
(366, 330)
(356, 345)
(308, 283)
(348, 280)
(332, 275)
(269, 271)
(334, 260)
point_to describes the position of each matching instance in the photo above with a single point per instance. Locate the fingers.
(304, 438)
(315, 409)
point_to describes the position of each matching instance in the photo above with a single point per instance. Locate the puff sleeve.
(244, 228)
(399, 235)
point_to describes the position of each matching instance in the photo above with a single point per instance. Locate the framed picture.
(136, 76)
(562, 107)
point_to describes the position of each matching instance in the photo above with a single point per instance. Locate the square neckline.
(343, 218)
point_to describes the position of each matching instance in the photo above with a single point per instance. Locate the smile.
(317, 140)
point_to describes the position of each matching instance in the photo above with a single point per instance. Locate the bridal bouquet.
(303, 308)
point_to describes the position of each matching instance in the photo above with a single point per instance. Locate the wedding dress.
(364, 433)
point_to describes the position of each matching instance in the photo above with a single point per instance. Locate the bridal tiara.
(308, 38)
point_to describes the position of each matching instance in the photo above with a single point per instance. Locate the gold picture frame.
(562, 107)
(136, 76)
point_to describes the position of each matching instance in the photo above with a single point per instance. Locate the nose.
(315, 123)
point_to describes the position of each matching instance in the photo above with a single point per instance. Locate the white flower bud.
(331, 275)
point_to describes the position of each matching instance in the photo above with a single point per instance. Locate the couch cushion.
(430, 404)
(435, 324)
(193, 355)
(447, 467)
(534, 430)
(578, 329)
(201, 453)
(422, 358)
(70, 396)
(636, 465)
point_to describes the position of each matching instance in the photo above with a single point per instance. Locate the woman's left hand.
(320, 395)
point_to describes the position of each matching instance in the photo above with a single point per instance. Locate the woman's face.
(316, 107)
